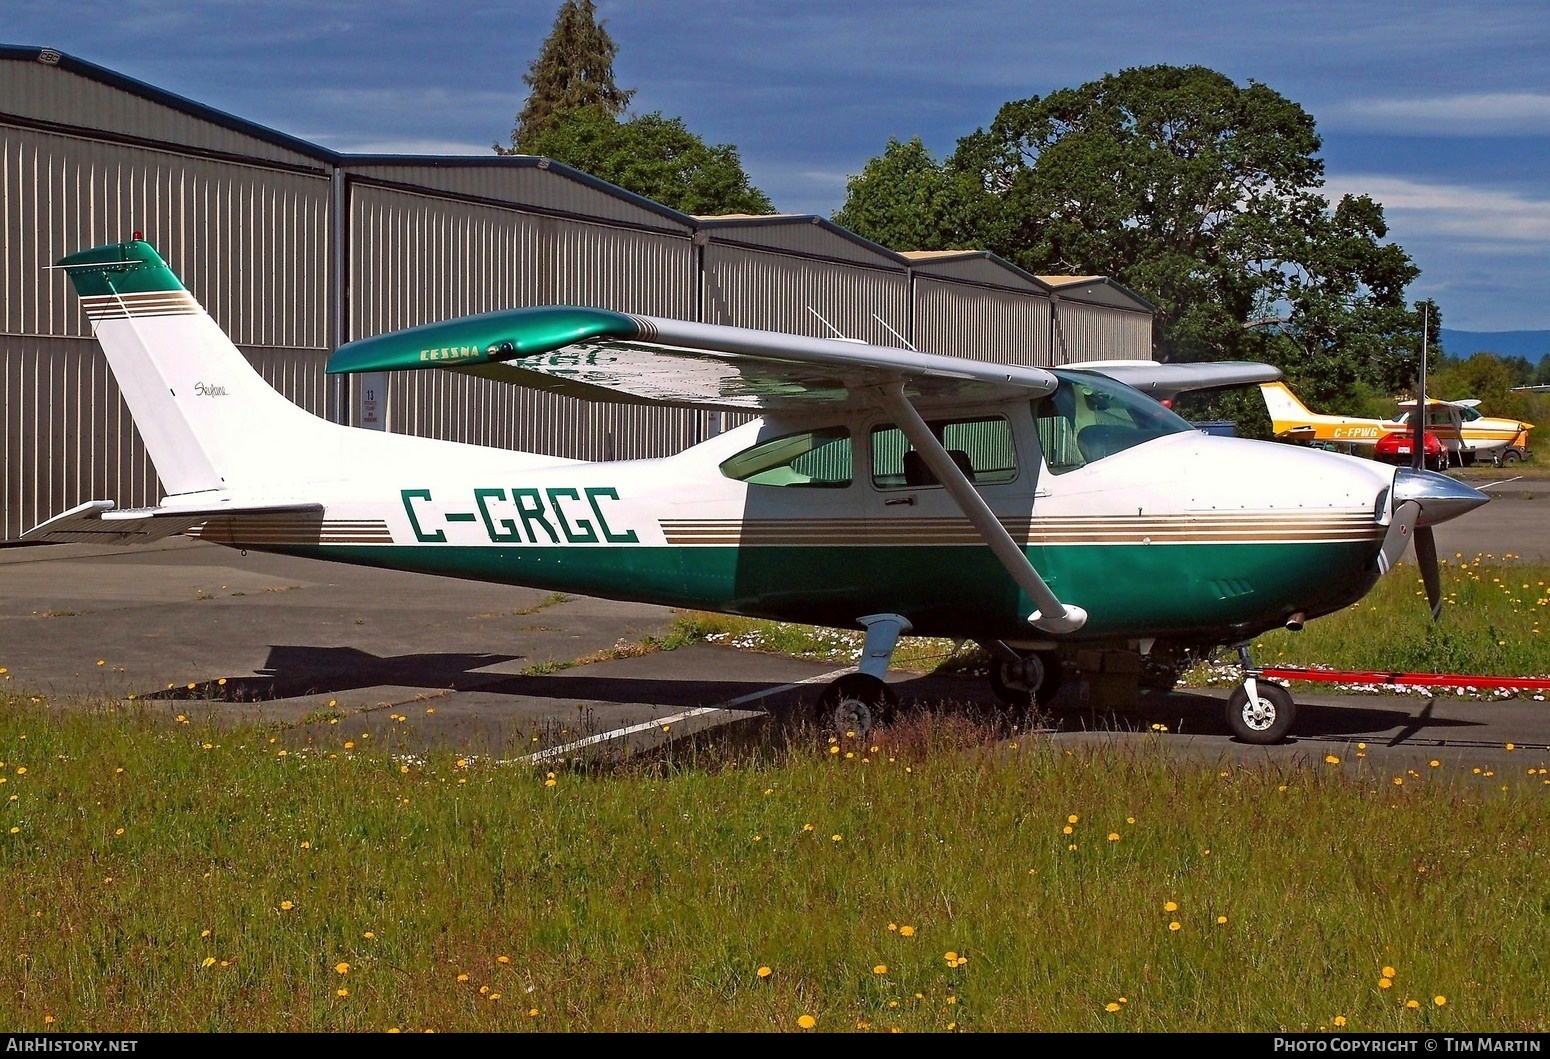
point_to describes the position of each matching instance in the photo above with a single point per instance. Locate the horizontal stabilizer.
(101, 522)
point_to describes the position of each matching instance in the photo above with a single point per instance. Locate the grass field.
(948, 874)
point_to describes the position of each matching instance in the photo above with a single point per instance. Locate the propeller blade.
(1397, 539)
(1426, 557)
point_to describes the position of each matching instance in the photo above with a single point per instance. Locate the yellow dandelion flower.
(101, 662)
(550, 782)
(1412, 1004)
(1170, 906)
(1071, 819)
(342, 967)
(462, 977)
(532, 1013)
(881, 968)
(807, 827)
(120, 831)
(1385, 983)
(369, 935)
(906, 931)
(834, 750)
(1113, 836)
(1221, 919)
(1511, 746)
(503, 959)
(1175, 925)
(332, 703)
(1111, 1006)
(1331, 759)
(1439, 1000)
(1066, 830)
(209, 961)
(341, 991)
(349, 745)
(1339, 1020)
(306, 845)
(807, 1022)
(286, 906)
(1389, 972)
(204, 933)
(837, 838)
(1434, 763)
(495, 996)
(764, 972)
(1399, 781)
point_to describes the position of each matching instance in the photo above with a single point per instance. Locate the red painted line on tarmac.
(1379, 676)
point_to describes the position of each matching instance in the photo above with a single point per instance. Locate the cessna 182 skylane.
(1034, 511)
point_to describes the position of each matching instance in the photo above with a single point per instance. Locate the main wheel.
(854, 704)
(1264, 721)
(1036, 676)
(1511, 456)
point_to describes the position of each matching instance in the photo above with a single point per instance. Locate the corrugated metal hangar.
(294, 249)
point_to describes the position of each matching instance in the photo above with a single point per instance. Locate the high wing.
(1167, 381)
(600, 355)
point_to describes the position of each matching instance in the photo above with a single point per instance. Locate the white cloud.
(1479, 214)
(1468, 114)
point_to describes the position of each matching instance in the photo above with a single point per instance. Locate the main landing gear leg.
(855, 702)
(1259, 713)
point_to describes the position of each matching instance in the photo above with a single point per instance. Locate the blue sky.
(1441, 111)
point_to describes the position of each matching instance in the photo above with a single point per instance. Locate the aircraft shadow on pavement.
(292, 671)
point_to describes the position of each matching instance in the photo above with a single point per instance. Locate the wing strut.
(1052, 615)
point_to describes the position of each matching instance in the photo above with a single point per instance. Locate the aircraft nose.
(1441, 498)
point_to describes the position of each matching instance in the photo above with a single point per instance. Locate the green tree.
(1198, 194)
(652, 156)
(574, 69)
(907, 200)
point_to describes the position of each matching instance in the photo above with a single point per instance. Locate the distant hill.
(1530, 345)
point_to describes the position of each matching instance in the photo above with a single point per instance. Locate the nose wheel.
(1032, 677)
(1259, 711)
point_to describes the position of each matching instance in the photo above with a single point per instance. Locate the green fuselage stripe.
(1215, 593)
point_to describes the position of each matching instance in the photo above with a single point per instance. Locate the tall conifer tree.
(574, 70)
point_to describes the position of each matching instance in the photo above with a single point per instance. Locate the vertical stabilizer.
(195, 399)
(1282, 404)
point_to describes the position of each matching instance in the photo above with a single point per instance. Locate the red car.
(1398, 446)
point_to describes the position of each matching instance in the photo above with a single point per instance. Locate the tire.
(854, 705)
(1038, 677)
(1511, 456)
(1268, 721)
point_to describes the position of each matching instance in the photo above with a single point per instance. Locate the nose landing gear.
(1258, 711)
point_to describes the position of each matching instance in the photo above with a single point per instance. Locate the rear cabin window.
(812, 459)
(1089, 417)
(981, 447)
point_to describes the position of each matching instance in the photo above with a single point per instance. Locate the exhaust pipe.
(1295, 622)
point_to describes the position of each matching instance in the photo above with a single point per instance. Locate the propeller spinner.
(1418, 501)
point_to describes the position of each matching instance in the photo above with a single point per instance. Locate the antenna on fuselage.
(838, 334)
(884, 324)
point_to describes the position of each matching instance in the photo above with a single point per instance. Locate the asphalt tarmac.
(191, 628)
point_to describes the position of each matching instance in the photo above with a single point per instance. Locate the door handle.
(900, 500)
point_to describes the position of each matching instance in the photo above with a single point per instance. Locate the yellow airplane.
(1465, 435)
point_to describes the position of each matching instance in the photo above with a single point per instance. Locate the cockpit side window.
(1089, 417)
(982, 448)
(820, 459)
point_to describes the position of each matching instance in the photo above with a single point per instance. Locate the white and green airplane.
(1038, 512)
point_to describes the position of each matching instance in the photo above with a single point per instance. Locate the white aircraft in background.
(1038, 512)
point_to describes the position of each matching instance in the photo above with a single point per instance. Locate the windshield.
(1090, 416)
